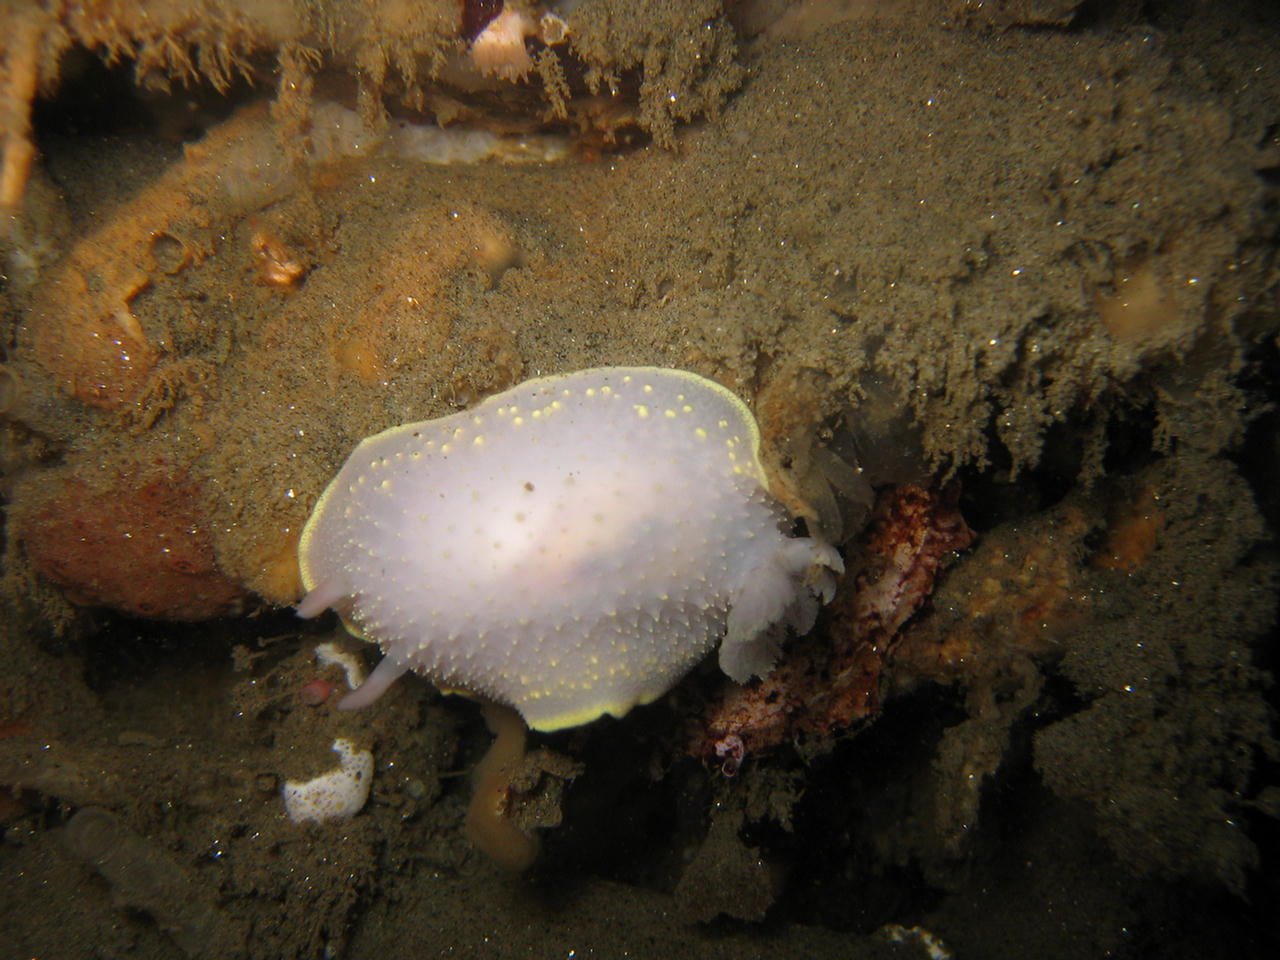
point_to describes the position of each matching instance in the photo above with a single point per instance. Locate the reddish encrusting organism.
(136, 540)
(829, 679)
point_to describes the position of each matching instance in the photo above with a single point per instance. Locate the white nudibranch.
(570, 547)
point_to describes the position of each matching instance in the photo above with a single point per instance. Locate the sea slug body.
(570, 547)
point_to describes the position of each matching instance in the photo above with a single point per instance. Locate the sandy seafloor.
(1028, 251)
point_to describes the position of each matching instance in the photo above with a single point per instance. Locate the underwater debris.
(339, 794)
(144, 877)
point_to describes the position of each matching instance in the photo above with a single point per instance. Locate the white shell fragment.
(336, 795)
(570, 547)
(331, 653)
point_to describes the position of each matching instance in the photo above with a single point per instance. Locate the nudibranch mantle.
(570, 547)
